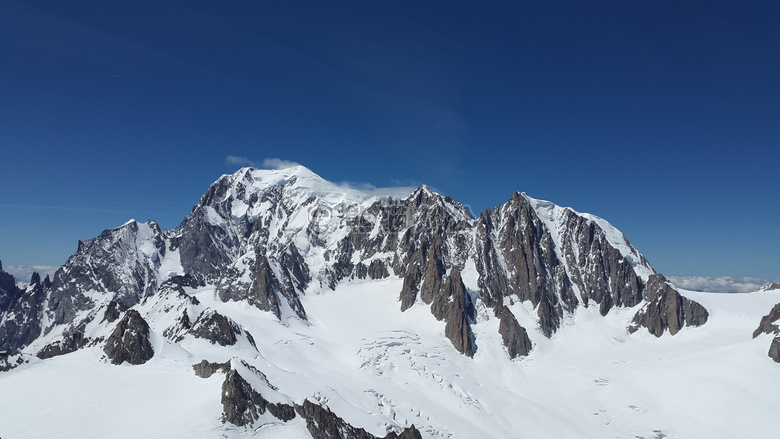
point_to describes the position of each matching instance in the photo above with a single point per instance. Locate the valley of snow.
(379, 368)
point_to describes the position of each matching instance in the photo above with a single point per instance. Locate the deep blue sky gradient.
(662, 117)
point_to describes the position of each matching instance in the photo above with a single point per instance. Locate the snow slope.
(381, 369)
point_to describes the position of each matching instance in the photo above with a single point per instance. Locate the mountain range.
(284, 305)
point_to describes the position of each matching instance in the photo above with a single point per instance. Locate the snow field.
(381, 369)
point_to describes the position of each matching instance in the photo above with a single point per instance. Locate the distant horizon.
(659, 117)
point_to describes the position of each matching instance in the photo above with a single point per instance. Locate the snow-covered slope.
(378, 369)
(288, 305)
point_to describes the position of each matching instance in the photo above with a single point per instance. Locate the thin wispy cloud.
(724, 284)
(370, 189)
(274, 163)
(267, 163)
(240, 161)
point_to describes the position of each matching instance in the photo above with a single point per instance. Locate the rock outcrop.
(69, 343)
(774, 349)
(767, 324)
(10, 362)
(449, 302)
(113, 311)
(130, 340)
(242, 405)
(20, 311)
(324, 424)
(216, 328)
(667, 309)
(206, 369)
(515, 337)
(7, 286)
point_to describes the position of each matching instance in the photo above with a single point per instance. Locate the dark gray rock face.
(179, 329)
(515, 336)
(69, 343)
(458, 312)
(267, 290)
(110, 264)
(409, 433)
(603, 276)
(242, 405)
(324, 424)
(9, 293)
(667, 309)
(7, 287)
(262, 292)
(774, 349)
(547, 273)
(446, 295)
(130, 340)
(513, 233)
(767, 324)
(377, 270)
(10, 362)
(113, 311)
(20, 312)
(204, 247)
(206, 369)
(216, 328)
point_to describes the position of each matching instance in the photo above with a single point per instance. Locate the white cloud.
(725, 284)
(370, 189)
(241, 161)
(274, 163)
(268, 163)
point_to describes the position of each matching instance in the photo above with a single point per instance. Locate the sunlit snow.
(380, 368)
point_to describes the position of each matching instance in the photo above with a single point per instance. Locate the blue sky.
(662, 117)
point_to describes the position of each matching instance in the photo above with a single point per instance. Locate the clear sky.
(661, 116)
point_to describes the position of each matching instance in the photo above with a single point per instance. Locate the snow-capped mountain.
(323, 307)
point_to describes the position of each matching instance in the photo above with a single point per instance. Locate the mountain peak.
(425, 189)
(295, 170)
(276, 177)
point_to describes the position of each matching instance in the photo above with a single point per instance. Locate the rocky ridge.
(130, 340)
(768, 326)
(666, 309)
